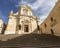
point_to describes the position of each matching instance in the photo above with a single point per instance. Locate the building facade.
(1, 26)
(52, 23)
(22, 22)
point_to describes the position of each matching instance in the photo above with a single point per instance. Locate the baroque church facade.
(22, 22)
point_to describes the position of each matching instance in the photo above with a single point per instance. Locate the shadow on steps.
(33, 39)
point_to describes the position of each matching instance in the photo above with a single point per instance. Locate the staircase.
(31, 40)
(9, 37)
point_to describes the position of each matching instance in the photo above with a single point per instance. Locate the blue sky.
(40, 8)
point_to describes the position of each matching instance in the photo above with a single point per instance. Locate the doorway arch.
(26, 26)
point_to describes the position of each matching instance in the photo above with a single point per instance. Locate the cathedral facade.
(22, 22)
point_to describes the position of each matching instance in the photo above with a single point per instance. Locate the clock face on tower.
(25, 11)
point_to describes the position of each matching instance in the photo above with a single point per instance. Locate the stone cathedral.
(21, 22)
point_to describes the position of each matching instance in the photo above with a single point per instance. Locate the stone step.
(9, 37)
(33, 39)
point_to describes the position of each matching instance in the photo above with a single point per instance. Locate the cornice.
(34, 17)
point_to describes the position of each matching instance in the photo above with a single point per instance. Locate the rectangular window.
(19, 27)
(45, 25)
(52, 19)
(26, 28)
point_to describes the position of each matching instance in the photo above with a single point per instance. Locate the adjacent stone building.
(1, 26)
(52, 23)
(22, 22)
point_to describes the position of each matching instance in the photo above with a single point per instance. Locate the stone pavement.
(32, 41)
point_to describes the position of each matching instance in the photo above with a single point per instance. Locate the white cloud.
(45, 7)
(42, 18)
(36, 5)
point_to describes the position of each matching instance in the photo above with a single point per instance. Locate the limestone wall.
(52, 22)
(11, 26)
(1, 26)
